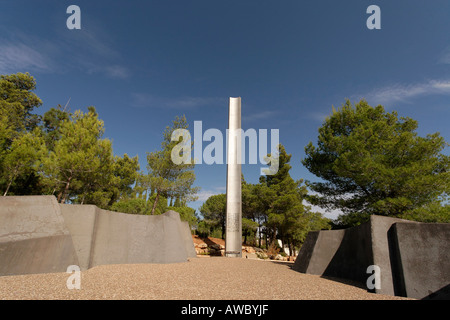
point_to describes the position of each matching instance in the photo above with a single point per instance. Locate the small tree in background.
(164, 176)
(23, 157)
(20, 145)
(214, 212)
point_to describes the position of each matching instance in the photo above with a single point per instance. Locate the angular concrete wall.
(400, 248)
(33, 236)
(353, 255)
(38, 235)
(187, 239)
(347, 253)
(421, 255)
(80, 221)
(318, 250)
(107, 237)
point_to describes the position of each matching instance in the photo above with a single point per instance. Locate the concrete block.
(37, 255)
(39, 235)
(381, 253)
(174, 245)
(118, 238)
(421, 259)
(33, 236)
(187, 239)
(413, 257)
(352, 256)
(344, 253)
(303, 259)
(80, 220)
(29, 217)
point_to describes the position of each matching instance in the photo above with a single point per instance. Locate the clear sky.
(141, 63)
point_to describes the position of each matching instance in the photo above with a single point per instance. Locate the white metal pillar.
(233, 236)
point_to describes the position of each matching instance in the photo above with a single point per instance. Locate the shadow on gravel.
(346, 281)
(340, 280)
(289, 264)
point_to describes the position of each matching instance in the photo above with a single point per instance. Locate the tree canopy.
(214, 212)
(64, 154)
(373, 162)
(166, 177)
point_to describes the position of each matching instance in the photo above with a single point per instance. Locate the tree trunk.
(66, 189)
(155, 203)
(259, 235)
(293, 248)
(274, 236)
(7, 188)
(266, 240)
(223, 229)
(11, 181)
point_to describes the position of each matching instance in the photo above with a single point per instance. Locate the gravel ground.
(215, 278)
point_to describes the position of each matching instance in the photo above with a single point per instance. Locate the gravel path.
(214, 278)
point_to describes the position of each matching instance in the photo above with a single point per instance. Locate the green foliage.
(51, 125)
(17, 125)
(133, 206)
(122, 176)
(186, 214)
(203, 229)
(80, 160)
(214, 212)
(164, 176)
(23, 157)
(17, 101)
(373, 162)
(436, 212)
(140, 206)
(80, 165)
(285, 196)
(249, 228)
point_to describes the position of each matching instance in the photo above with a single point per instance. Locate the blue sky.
(141, 63)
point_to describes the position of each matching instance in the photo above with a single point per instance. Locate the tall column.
(233, 236)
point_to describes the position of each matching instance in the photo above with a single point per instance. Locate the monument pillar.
(233, 235)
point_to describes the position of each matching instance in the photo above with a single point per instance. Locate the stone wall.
(33, 236)
(413, 258)
(39, 235)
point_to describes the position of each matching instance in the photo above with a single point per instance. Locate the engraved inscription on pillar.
(233, 222)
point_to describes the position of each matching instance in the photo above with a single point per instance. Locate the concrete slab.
(421, 259)
(37, 255)
(33, 236)
(413, 258)
(80, 220)
(39, 235)
(187, 239)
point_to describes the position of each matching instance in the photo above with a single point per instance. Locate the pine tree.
(373, 162)
(80, 157)
(24, 156)
(166, 177)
